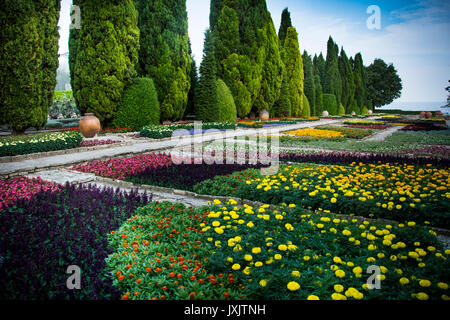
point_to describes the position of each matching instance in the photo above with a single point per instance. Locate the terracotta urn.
(428, 115)
(89, 125)
(422, 114)
(370, 112)
(325, 114)
(438, 114)
(264, 115)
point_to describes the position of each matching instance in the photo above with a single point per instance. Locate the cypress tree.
(249, 59)
(329, 104)
(332, 83)
(28, 61)
(190, 108)
(282, 107)
(360, 84)
(309, 83)
(164, 53)
(206, 91)
(306, 110)
(319, 67)
(319, 96)
(74, 41)
(106, 56)
(286, 22)
(294, 70)
(348, 81)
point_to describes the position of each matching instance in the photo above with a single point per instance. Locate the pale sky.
(414, 36)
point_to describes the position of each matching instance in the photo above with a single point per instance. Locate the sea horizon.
(417, 106)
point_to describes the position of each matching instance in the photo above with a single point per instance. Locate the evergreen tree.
(28, 61)
(225, 104)
(319, 96)
(329, 104)
(360, 84)
(190, 109)
(249, 58)
(306, 110)
(282, 107)
(348, 81)
(332, 83)
(106, 56)
(286, 22)
(74, 41)
(164, 53)
(310, 87)
(319, 67)
(294, 70)
(206, 92)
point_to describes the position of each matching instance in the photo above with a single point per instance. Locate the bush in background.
(139, 106)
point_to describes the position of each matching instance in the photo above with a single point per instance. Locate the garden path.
(382, 135)
(140, 146)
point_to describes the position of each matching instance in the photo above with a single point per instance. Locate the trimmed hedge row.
(44, 143)
(160, 132)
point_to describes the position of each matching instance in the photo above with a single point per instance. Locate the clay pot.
(422, 114)
(370, 112)
(428, 115)
(438, 114)
(264, 115)
(89, 125)
(325, 114)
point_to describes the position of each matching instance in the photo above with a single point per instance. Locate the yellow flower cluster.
(319, 133)
(319, 256)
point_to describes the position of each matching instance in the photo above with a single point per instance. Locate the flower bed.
(274, 122)
(363, 122)
(160, 254)
(93, 143)
(107, 130)
(39, 143)
(160, 132)
(316, 133)
(42, 236)
(424, 127)
(22, 188)
(369, 126)
(121, 168)
(351, 133)
(398, 192)
(185, 176)
(169, 252)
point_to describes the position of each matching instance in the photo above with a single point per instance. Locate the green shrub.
(139, 106)
(306, 109)
(364, 111)
(341, 110)
(226, 105)
(330, 104)
(39, 143)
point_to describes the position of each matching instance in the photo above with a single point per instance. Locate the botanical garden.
(111, 176)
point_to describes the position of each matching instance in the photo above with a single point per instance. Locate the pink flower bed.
(120, 168)
(369, 126)
(93, 143)
(22, 188)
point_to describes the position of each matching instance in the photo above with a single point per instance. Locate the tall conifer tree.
(348, 81)
(294, 68)
(360, 83)
(309, 83)
(28, 61)
(286, 22)
(164, 53)
(332, 83)
(106, 56)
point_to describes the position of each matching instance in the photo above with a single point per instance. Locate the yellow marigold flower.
(293, 286)
(218, 230)
(216, 201)
(339, 273)
(338, 288)
(263, 283)
(278, 256)
(357, 270)
(282, 247)
(312, 297)
(256, 250)
(422, 296)
(250, 224)
(442, 285)
(404, 281)
(338, 296)
(258, 264)
(236, 266)
(295, 273)
(306, 258)
(424, 283)
(248, 257)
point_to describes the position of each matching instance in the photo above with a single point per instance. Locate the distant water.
(418, 106)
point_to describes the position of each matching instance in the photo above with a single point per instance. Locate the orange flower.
(172, 274)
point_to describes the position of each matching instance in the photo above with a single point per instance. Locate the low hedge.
(40, 143)
(160, 131)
